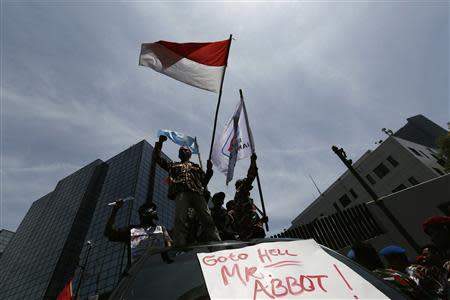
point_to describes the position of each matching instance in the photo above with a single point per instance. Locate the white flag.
(235, 142)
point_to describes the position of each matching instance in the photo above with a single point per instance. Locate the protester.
(223, 220)
(244, 186)
(193, 227)
(395, 273)
(365, 255)
(230, 206)
(141, 236)
(249, 224)
(396, 258)
(429, 273)
(438, 228)
(187, 183)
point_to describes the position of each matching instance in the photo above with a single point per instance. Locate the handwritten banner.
(288, 270)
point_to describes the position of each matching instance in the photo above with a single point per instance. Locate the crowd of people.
(194, 221)
(425, 277)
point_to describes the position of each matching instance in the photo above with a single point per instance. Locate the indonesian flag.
(235, 142)
(198, 64)
(66, 293)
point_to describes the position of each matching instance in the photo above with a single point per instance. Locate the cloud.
(313, 75)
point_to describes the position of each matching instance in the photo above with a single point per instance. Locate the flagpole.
(83, 269)
(218, 101)
(198, 151)
(252, 146)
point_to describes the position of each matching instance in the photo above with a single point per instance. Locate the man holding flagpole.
(236, 143)
(249, 224)
(187, 184)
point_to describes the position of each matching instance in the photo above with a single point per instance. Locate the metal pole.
(348, 163)
(198, 149)
(83, 268)
(252, 146)
(218, 101)
(320, 193)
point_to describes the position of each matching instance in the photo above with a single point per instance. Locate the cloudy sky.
(314, 74)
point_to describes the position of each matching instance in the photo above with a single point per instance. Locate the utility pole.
(348, 163)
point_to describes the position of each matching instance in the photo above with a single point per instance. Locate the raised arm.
(252, 170)
(164, 163)
(113, 234)
(209, 173)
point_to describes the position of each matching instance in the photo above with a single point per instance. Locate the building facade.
(394, 165)
(411, 207)
(50, 244)
(369, 222)
(421, 130)
(5, 237)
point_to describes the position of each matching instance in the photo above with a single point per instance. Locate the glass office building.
(5, 237)
(50, 244)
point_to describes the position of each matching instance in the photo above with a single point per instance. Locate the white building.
(394, 165)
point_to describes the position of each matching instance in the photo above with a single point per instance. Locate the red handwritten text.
(284, 263)
(212, 260)
(267, 254)
(249, 272)
(279, 288)
(345, 280)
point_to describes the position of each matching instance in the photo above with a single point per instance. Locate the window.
(381, 170)
(345, 200)
(414, 151)
(399, 188)
(434, 156)
(424, 154)
(370, 179)
(438, 171)
(413, 181)
(353, 193)
(439, 160)
(392, 161)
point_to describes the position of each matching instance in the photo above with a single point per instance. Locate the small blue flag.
(180, 139)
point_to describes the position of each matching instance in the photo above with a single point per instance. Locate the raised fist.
(209, 164)
(162, 138)
(254, 157)
(119, 204)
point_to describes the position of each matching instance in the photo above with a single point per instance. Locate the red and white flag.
(198, 64)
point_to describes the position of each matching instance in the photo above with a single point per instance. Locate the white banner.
(223, 144)
(288, 270)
